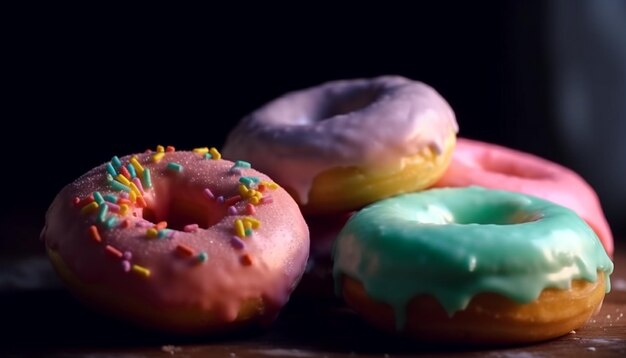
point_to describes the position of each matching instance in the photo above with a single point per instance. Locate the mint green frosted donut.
(456, 243)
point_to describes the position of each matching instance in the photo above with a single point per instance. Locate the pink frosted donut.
(178, 241)
(496, 167)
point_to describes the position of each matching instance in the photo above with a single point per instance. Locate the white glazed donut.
(344, 144)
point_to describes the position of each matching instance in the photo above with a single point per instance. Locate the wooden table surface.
(39, 318)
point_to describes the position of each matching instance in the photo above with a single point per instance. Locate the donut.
(344, 144)
(178, 241)
(496, 167)
(471, 266)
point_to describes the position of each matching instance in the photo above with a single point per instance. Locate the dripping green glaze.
(456, 243)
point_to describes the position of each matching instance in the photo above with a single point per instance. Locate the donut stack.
(433, 237)
(344, 145)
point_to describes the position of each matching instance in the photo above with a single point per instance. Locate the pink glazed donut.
(178, 241)
(496, 167)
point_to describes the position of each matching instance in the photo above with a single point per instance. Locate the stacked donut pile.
(491, 256)
(435, 237)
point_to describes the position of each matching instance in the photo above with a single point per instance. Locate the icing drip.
(455, 243)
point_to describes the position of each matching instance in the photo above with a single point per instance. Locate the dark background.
(81, 89)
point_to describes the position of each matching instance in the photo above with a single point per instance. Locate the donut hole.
(349, 101)
(495, 214)
(179, 207)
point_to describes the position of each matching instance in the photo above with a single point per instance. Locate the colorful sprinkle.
(119, 186)
(163, 233)
(207, 156)
(132, 196)
(208, 193)
(244, 191)
(202, 257)
(89, 208)
(122, 179)
(250, 210)
(117, 163)
(161, 225)
(141, 202)
(170, 149)
(152, 233)
(126, 265)
(254, 223)
(147, 180)
(174, 167)
(110, 169)
(97, 197)
(111, 222)
(267, 200)
(270, 184)
(239, 228)
(113, 207)
(128, 255)
(201, 151)
(237, 243)
(184, 250)
(84, 201)
(254, 200)
(246, 260)
(247, 181)
(103, 210)
(250, 193)
(131, 170)
(190, 228)
(232, 200)
(110, 198)
(94, 233)
(113, 251)
(220, 199)
(215, 154)
(141, 270)
(135, 189)
(109, 178)
(157, 157)
(232, 210)
(242, 164)
(138, 168)
(125, 223)
(138, 184)
(125, 172)
(236, 171)
(160, 149)
(124, 209)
